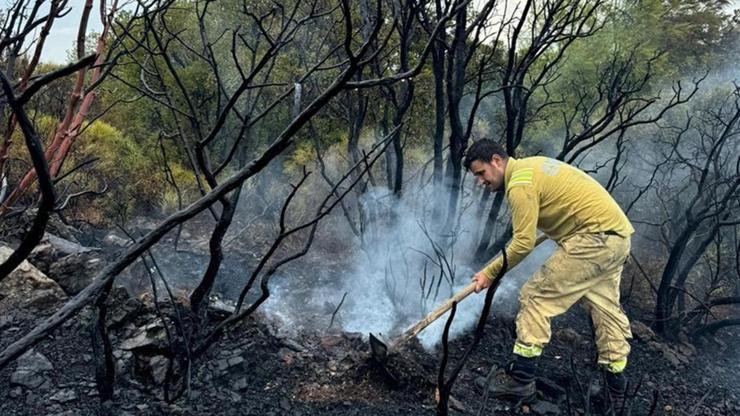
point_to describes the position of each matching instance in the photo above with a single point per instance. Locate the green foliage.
(134, 178)
(689, 35)
(20, 160)
(655, 41)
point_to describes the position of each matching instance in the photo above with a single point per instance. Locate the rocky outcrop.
(75, 271)
(32, 371)
(66, 262)
(28, 287)
(52, 248)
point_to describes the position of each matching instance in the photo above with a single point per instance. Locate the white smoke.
(386, 291)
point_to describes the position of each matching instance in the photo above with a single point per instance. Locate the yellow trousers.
(586, 268)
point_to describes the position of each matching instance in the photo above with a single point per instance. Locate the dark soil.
(332, 374)
(252, 370)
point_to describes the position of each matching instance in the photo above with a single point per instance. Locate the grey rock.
(285, 404)
(677, 357)
(31, 370)
(240, 384)
(35, 361)
(235, 397)
(226, 364)
(125, 308)
(642, 332)
(480, 383)
(457, 405)
(122, 366)
(27, 286)
(235, 361)
(75, 271)
(158, 368)
(52, 248)
(32, 398)
(55, 409)
(16, 392)
(66, 413)
(221, 305)
(64, 396)
(115, 240)
(545, 408)
(151, 335)
(293, 345)
(65, 246)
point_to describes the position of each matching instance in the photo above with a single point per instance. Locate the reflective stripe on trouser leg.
(615, 367)
(527, 351)
(585, 265)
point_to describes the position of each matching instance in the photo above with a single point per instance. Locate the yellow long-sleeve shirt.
(557, 198)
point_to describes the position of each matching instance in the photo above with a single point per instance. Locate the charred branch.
(46, 186)
(444, 385)
(282, 141)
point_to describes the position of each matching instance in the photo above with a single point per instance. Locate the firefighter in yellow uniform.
(593, 237)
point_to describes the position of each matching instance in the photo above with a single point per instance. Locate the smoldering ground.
(405, 270)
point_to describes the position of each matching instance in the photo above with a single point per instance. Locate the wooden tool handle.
(433, 315)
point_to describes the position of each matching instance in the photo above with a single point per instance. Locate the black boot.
(616, 384)
(608, 395)
(517, 383)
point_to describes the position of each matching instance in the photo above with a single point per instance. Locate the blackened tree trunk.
(482, 253)
(456, 62)
(438, 70)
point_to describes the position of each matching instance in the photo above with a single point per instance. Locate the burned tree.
(593, 111)
(537, 38)
(698, 193)
(216, 133)
(461, 51)
(55, 151)
(80, 99)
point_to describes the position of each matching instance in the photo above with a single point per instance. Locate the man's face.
(489, 174)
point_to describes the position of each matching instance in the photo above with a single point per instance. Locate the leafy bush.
(133, 172)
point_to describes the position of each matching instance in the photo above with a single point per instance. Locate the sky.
(64, 31)
(63, 34)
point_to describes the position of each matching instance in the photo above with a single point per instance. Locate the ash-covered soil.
(251, 371)
(259, 368)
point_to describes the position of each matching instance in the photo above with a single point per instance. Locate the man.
(593, 236)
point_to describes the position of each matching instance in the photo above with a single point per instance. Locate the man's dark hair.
(483, 150)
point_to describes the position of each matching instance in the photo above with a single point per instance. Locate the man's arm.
(524, 205)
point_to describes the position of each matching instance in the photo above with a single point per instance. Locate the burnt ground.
(251, 371)
(256, 369)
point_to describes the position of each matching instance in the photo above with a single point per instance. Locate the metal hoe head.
(378, 349)
(379, 352)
